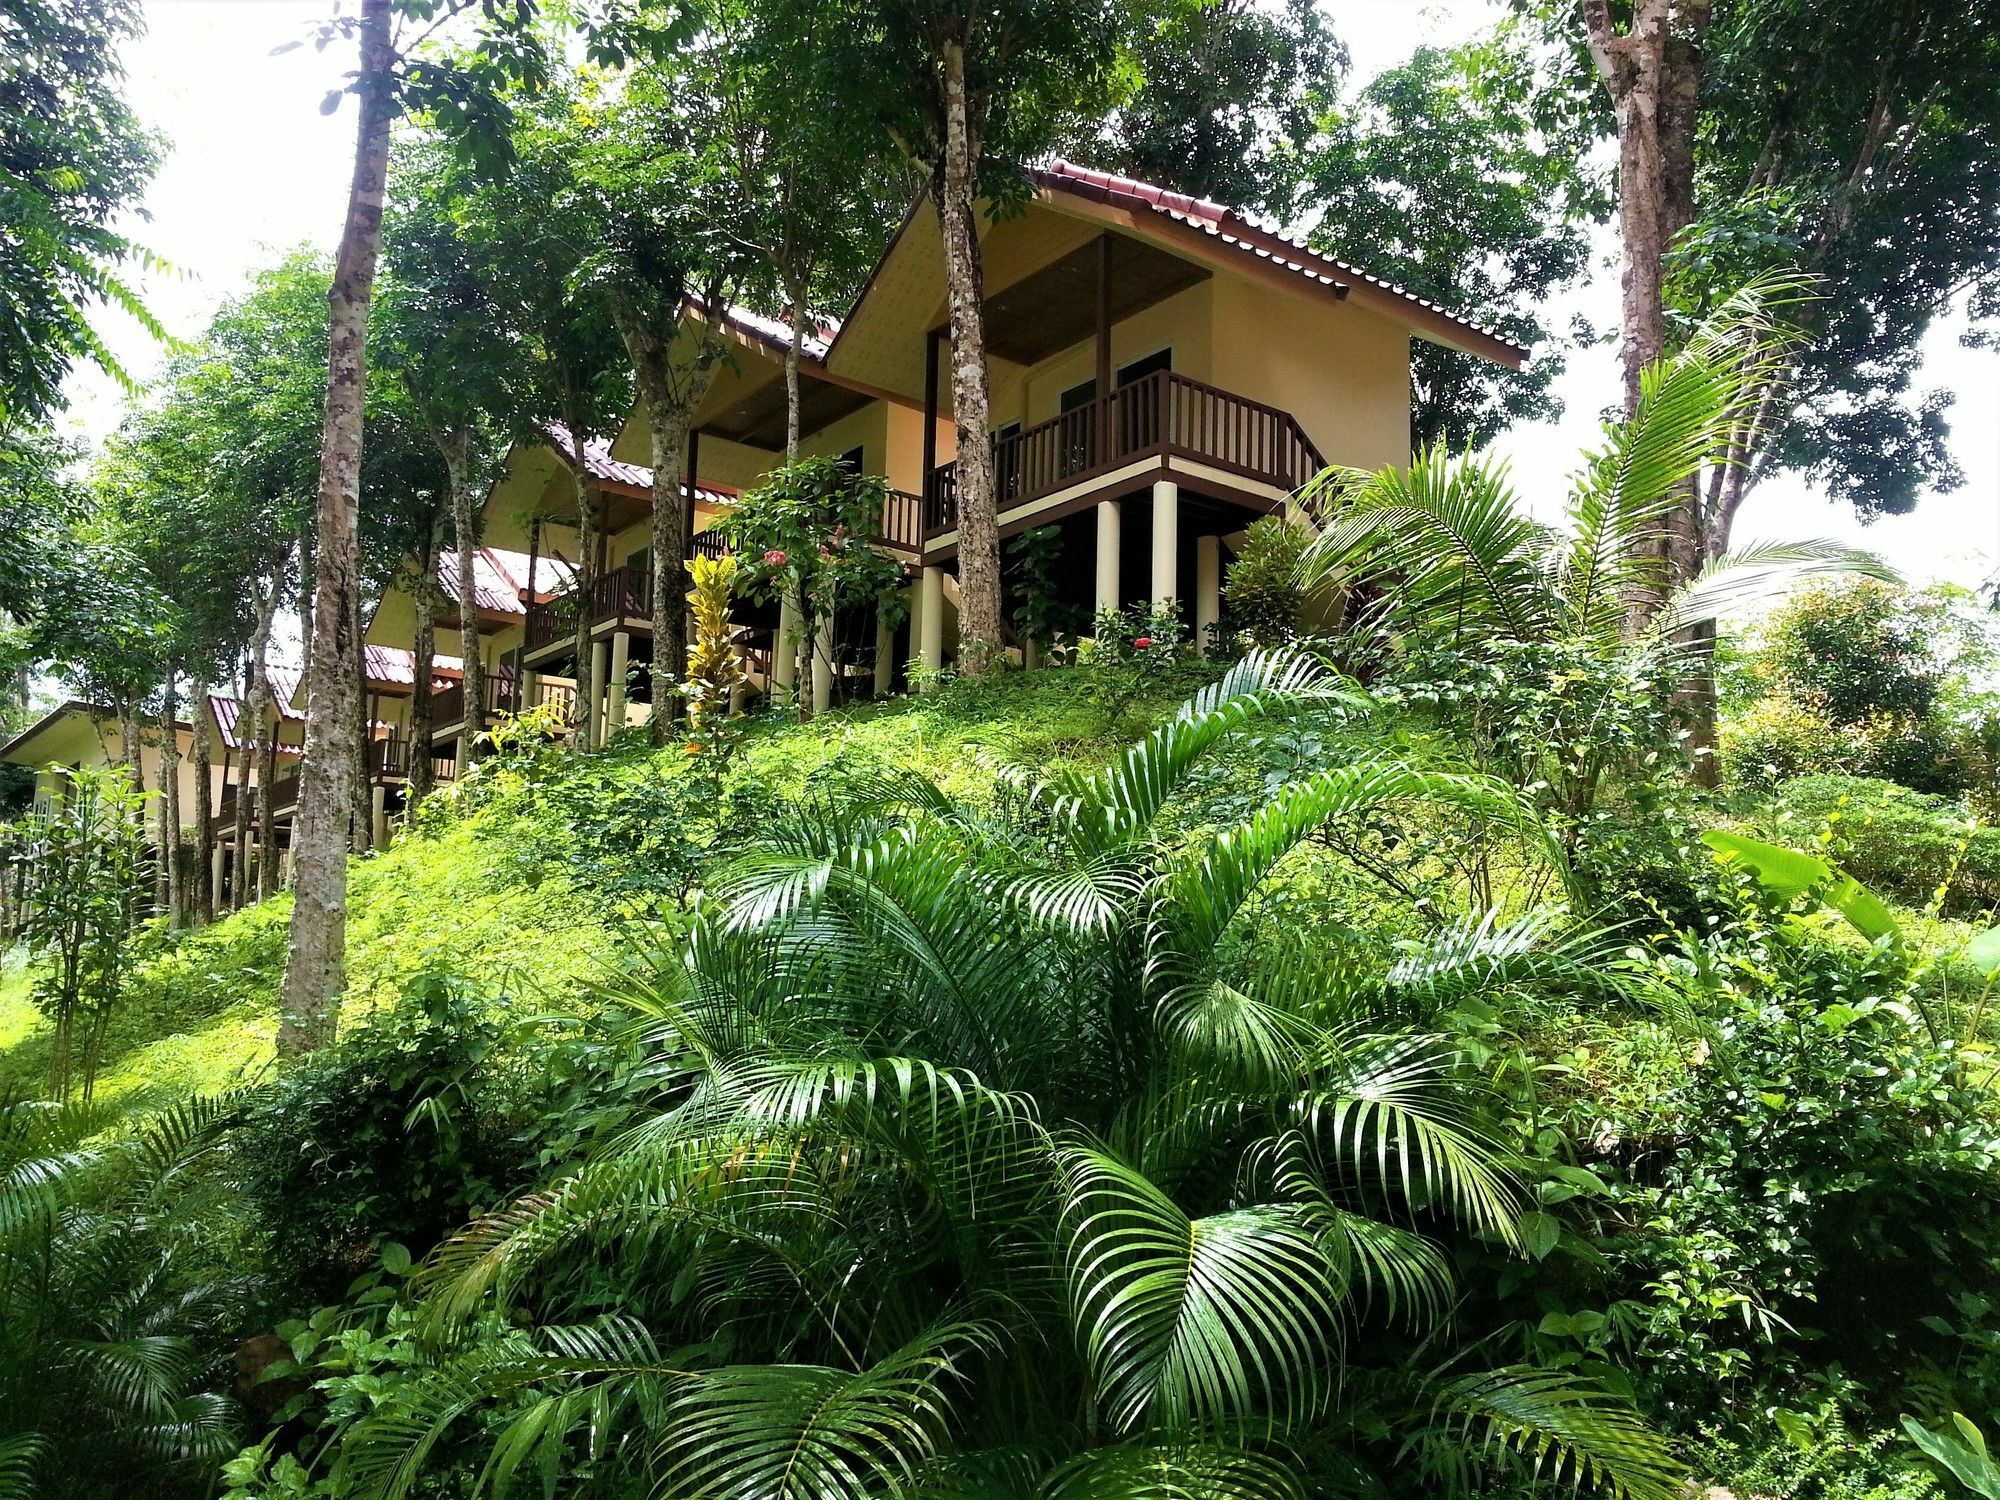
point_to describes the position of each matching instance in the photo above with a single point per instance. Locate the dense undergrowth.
(1678, 1155)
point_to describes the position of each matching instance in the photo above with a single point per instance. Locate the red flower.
(1142, 643)
(774, 558)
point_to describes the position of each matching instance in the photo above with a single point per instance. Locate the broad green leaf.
(1788, 875)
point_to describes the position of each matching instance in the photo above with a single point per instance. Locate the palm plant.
(103, 1357)
(1450, 544)
(990, 1153)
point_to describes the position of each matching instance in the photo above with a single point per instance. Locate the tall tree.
(72, 158)
(444, 343)
(1229, 88)
(504, 44)
(1434, 177)
(968, 92)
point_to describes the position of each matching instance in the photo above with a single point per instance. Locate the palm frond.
(1218, 1321)
(1174, 1471)
(1756, 573)
(808, 1432)
(1560, 1427)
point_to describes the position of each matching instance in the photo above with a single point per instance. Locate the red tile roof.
(1263, 240)
(597, 458)
(498, 579)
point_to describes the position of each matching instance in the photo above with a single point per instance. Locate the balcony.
(390, 759)
(620, 594)
(503, 697)
(1163, 415)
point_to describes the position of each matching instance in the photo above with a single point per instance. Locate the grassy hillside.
(522, 877)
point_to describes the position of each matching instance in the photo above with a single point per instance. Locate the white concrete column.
(1107, 556)
(1207, 589)
(531, 687)
(822, 665)
(930, 644)
(621, 663)
(785, 646)
(594, 703)
(215, 865)
(378, 832)
(1166, 538)
(885, 652)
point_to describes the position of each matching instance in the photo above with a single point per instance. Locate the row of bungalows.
(1163, 370)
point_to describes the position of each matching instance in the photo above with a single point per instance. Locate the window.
(854, 460)
(1079, 395)
(1139, 369)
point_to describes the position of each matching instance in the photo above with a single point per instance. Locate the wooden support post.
(1102, 436)
(930, 646)
(379, 805)
(885, 652)
(1108, 541)
(1207, 590)
(785, 647)
(594, 700)
(621, 663)
(822, 666)
(1166, 540)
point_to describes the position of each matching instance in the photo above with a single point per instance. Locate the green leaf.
(1789, 875)
(395, 1258)
(1539, 1233)
(1983, 952)
(1963, 1454)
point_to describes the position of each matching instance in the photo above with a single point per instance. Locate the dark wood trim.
(1103, 313)
(930, 400)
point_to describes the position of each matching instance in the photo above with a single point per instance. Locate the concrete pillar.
(531, 690)
(621, 662)
(1107, 556)
(215, 867)
(885, 652)
(379, 829)
(822, 664)
(1166, 539)
(785, 648)
(594, 702)
(1207, 589)
(930, 644)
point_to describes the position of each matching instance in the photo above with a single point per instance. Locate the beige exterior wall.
(75, 740)
(1342, 371)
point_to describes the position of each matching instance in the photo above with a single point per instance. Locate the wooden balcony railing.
(619, 594)
(1165, 414)
(390, 759)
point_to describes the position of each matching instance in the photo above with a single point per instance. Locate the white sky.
(254, 168)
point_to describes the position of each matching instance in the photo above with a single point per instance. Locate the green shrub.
(1902, 842)
(399, 1132)
(1775, 739)
(1262, 593)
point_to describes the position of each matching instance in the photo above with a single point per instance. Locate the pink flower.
(774, 558)
(1142, 643)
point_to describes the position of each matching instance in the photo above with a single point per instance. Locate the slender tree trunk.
(315, 967)
(361, 811)
(170, 802)
(457, 448)
(669, 396)
(307, 583)
(795, 294)
(1653, 76)
(261, 713)
(203, 905)
(979, 626)
(424, 666)
(246, 738)
(588, 689)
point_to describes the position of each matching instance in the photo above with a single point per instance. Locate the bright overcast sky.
(253, 168)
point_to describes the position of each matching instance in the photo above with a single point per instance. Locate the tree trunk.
(457, 448)
(315, 966)
(246, 739)
(1653, 75)
(669, 397)
(424, 652)
(202, 908)
(979, 627)
(261, 713)
(795, 294)
(360, 811)
(170, 802)
(307, 578)
(588, 691)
